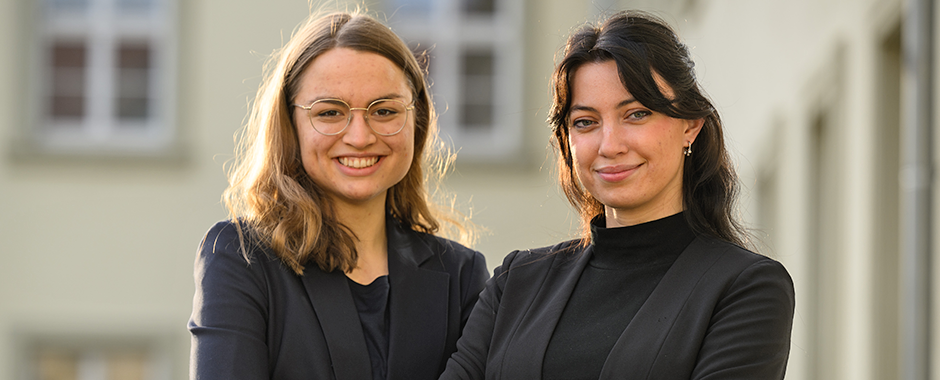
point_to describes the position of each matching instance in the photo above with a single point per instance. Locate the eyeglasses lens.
(385, 117)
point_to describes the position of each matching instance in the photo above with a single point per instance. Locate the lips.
(358, 162)
(615, 173)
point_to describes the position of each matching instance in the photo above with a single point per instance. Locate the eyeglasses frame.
(365, 115)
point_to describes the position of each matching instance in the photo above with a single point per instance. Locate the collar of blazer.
(658, 335)
(418, 310)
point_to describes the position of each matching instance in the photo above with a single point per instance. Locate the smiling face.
(627, 156)
(356, 166)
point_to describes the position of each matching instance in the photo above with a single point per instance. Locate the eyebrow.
(386, 96)
(592, 109)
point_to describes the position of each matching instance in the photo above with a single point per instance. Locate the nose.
(358, 133)
(611, 144)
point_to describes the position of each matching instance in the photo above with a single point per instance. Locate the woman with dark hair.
(658, 286)
(329, 267)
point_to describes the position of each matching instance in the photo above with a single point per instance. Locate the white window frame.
(101, 25)
(452, 34)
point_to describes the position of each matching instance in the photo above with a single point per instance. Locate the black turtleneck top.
(626, 265)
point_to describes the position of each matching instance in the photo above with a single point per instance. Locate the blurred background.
(116, 117)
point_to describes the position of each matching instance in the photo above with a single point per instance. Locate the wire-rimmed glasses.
(330, 117)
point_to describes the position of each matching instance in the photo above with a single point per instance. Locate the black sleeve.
(469, 362)
(749, 334)
(228, 323)
(472, 284)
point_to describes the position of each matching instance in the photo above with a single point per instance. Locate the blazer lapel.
(642, 341)
(535, 329)
(417, 307)
(332, 301)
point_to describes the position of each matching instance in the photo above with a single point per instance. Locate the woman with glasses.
(658, 286)
(329, 267)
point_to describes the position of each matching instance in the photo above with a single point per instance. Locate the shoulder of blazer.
(427, 247)
(731, 254)
(231, 237)
(723, 263)
(538, 261)
(559, 254)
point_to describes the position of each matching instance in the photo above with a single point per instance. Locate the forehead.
(352, 75)
(612, 71)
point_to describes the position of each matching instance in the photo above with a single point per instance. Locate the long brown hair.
(640, 44)
(270, 192)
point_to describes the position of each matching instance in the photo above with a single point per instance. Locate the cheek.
(312, 146)
(406, 145)
(581, 148)
(580, 162)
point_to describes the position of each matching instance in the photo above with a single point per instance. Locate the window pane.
(478, 63)
(67, 100)
(478, 90)
(477, 86)
(132, 82)
(477, 116)
(480, 7)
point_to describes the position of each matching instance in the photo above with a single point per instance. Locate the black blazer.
(259, 320)
(720, 312)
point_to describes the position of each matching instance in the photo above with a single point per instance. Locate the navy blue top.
(372, 304)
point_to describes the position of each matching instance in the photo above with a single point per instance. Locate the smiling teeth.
(358, 163)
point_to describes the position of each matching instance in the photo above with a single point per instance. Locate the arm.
(228, 323)
(475, 277)
(749, 333)
(469, 362)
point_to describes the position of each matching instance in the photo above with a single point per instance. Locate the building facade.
(118, 116)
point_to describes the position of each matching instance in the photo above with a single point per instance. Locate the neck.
(367, 222)
(623, 218)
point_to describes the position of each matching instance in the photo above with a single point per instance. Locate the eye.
(329, 113)
(583, 124)
(638, 115)
(384, 112)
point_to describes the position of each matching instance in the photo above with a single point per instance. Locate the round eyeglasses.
(330, 117)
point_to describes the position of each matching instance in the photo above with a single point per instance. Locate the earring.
(688, 150)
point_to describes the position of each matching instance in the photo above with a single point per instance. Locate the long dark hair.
(640, 44)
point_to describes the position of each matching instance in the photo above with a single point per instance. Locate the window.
(105, 75)
(475, 69)
(75, 364)
(94, 357)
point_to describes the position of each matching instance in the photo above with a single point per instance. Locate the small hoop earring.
(688, 150)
